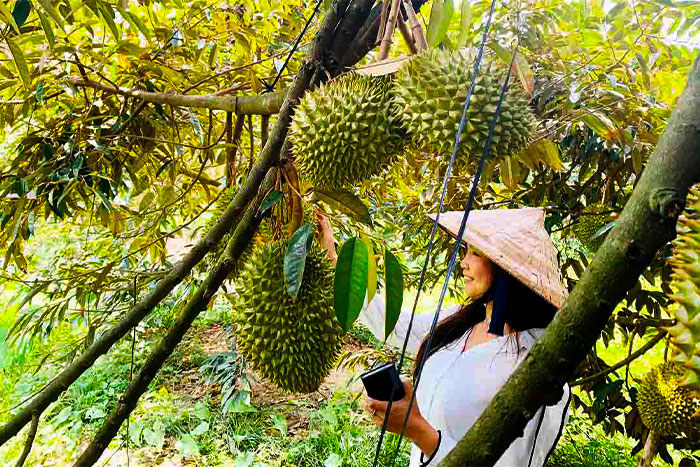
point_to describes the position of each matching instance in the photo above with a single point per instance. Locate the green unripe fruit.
(665, 407)
(344, 133)
(291, 342)
(430, 91)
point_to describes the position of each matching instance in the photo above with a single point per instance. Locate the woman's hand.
(418, 429)
(325, 235)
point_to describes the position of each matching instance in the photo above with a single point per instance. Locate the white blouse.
(456, 386)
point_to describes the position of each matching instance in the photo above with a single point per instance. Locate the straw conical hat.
(516, 240)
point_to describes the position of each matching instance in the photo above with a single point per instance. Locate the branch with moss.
(264, 104)
(647, 223)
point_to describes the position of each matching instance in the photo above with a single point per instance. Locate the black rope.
(271, 87)
(458, 241)
(433, 232)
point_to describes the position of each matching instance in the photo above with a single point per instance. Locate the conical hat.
(516, 240)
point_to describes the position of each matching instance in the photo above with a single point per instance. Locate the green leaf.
(21, 12)
(20, 62)
(393, 284)
(465, 22)
(136, 22)
(197, 128)
(51, 10)
(5, 13)
(346, 202)
(155, 436)
(295, 258)
(244, 460)
(48, 30)
(440, 16)
(542, 151)
(604, 229)
(371, 268)
(108, 15)
(350, 282)
(270, 200)
(187, 446)
(200, 429)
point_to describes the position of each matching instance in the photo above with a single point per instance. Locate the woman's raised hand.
(418, 430)
(325, 235)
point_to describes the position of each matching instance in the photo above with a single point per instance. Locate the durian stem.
(416, 28)
(389, 30)
(407, 36)
(651, 447)
(647, 223)
(295, 207)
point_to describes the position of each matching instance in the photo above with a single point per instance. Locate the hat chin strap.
(499, 294)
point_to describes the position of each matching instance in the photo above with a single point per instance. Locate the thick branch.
(647, 223)
(264, 104)
(240, 240)
(227, 222)
(651, 447)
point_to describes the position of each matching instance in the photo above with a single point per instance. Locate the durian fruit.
(291, 342)
(343, 132)
(430, 91)
(664, 405)
(590, 221)
(685, 335)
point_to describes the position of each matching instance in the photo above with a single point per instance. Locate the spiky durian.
(343, 132)
(592, 218)
(686, 284)
(291, 342)
(430, 91)
(666, 408)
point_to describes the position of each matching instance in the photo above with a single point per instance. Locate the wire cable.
(455, 147)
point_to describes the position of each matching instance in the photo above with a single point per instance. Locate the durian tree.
(132, 125)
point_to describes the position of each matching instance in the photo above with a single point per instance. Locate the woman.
(513, 282)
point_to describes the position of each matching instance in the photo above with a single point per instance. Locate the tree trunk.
(647, 223)
(651, 447)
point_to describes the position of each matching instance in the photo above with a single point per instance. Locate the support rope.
(455, 146)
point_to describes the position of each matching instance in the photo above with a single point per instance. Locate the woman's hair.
(522, 309)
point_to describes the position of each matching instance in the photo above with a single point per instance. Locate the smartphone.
(381, 381)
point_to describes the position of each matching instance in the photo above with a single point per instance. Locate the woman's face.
(477, 271)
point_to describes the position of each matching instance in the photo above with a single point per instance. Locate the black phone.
(380, 382)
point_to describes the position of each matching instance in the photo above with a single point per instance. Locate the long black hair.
(514, 304)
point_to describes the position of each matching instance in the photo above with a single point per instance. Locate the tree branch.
(240, 240)
(631, 357)
(233, 136)
(264, 104)
(30, 440)
(647, 223)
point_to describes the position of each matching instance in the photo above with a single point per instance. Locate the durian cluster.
(591, 220)
(291, 342)
(666, 407)
(354, 127)
(686, 284)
